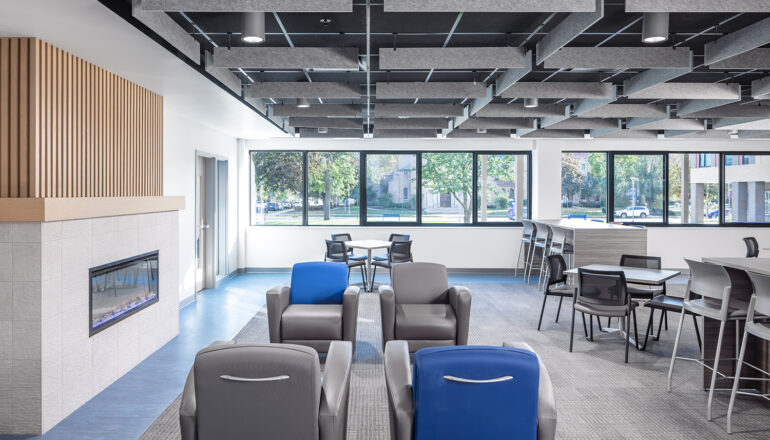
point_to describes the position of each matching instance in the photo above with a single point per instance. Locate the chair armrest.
(388, 313)
(398, 382)
(277, 301)
(546, 403)
(188, 419)
(350, 314)
(460, 300)
(335, 388)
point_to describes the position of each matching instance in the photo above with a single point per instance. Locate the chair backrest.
(342, 237)
(558, 236)
(543, 231)
(400, 251)
(556, 268)
(473, 392)
(320, 282)
(336, 250)
(420, 283)
(642, 261)
(707, 279)
(270, 389)
(398, 237)
(602, 288)
(761, 292)
(529, 227)
(752, 247)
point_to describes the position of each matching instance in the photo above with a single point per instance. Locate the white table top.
(757, 265)
(633, 274)
(577, 224)
(368, 244)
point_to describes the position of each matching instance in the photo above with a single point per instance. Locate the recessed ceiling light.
(530, 102)
(655, 27)
(303, 103)
(253, 27)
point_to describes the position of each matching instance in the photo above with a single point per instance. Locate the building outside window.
(747, 182)
(584, 185)
(502, 188)
(391, 187)
(447, 188)
(638, 190)
(693, 188)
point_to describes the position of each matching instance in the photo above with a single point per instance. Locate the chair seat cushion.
(667, 303)
(710, 308)
(381, 257)
(562, 289)
(425, 321)
(312, 321)
(356, 257)
(598, 310)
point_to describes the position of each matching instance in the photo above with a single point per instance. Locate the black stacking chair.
(392, 238)
(603, 293)
(399, 252)
(641, 291)
(347, 237)
(752, 247)
(337, 251)
(556, 285)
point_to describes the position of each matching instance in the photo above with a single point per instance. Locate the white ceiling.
(91, 31)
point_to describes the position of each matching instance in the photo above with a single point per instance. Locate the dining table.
(369, 246)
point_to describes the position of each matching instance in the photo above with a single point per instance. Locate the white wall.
(483, 247)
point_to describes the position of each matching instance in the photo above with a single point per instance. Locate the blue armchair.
(316, 308)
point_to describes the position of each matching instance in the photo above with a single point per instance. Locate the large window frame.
(721, 160)
(362, 206)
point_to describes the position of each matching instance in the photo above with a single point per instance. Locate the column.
(697, 191)
(755, 202)
(738, 206)
(685, 188)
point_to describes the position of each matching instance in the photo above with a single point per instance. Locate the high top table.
(369, 245)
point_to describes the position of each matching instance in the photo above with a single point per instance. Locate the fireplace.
(122, 288)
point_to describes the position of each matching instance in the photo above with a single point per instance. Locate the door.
(200, 224)
(211, 262)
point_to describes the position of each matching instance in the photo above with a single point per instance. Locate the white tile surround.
(49, 366)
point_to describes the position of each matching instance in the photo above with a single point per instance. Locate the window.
(277, 187)
(447, 188)
(584, 185)
(391, 187)
(333, 188)
(693, 188)
(638, 187)
(747, 183)
(502, 188)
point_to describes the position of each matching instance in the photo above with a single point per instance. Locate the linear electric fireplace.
(122, 288)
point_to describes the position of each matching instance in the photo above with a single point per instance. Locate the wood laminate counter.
(599, 242)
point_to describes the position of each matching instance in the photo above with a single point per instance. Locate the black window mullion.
(362, 220)
(418, 196)
(474, 189)
(665, 189)
(305, 179)
(610, 187)
(722, 187)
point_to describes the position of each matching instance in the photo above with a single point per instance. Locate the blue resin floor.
(125, 409)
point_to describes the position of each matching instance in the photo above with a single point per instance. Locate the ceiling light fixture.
(323, 130)
(655, 27)
(530, 102)
(253, 27)
(303, 103)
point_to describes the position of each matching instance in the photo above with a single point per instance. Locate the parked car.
(633, 211)
(715, 213)
(272, 206)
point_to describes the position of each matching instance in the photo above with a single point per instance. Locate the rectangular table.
(369, 246)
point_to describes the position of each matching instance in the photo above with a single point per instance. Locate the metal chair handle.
(253, 379)
(464, 380)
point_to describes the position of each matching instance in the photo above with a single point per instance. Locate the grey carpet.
(597, 395)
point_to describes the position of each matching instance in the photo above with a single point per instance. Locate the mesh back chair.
(347, 237)
(399, 252)
(757, 325)
(752, 247)
(709, 295)
(392, 238)
(640, 291)
(603, 293)
(556, 285)
(527, 236)
(337, 251)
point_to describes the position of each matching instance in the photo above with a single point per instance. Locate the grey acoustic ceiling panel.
(168, 29)
(629, 134)
(667, 124)
(741, 124)
(519, 111)
(325, 58)
(558, 134)
(497, 123)
(410, 58)
(463, 133)
(348, 123)
(585, 124)
(330, 133)
(690, 91)
(627, 111)
(507, 6)
(305, 90)
(568, 29)
(412, 123)
(705, 134)
(738, 42)
(325, 110)
(690, 106)
(382, 133)
(559, 90)
(428, 90)
(392, 110)
(752, 59)
(652, 77)
(619, 58)
(692, 6)
(760, 88)
(742, 110)
(249, 5)
(512, 76)
(754, 134)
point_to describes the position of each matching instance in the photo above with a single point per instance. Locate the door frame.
(211, 260)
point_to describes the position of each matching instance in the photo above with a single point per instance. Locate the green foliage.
(343, 170)
(645, 172)
(571, 178)
(277, 175)
(450, 173)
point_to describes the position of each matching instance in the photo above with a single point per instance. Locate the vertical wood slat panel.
(71, 129)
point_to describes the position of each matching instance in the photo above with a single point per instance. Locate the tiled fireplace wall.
(49, 366)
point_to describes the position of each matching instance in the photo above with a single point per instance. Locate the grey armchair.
(401, 407)
(422, 309)
(275, 391)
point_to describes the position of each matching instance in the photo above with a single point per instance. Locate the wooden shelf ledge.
(54, 209)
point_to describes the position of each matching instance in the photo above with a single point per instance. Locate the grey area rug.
(597, 395)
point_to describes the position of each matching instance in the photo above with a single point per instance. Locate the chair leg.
(697, 333)
(591, 327)
(609, 321)
(542, 309)
(363, 278)
(676, 349)
(628, 335)
(542, 268)
(374, 273)
(558, 311)
(572, 329)
(636, 333)
(736, 383)
(660, 324)
(714, 371)
(518, 260)
(585, 328)
(650, 328)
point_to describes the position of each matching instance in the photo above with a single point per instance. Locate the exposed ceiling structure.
(484, 68)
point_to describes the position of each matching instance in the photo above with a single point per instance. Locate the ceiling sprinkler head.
(326, 21)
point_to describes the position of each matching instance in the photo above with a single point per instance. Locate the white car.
(633, 211)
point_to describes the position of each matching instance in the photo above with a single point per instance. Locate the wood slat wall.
(71, 129)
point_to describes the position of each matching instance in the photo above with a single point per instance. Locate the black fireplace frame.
(116, 265)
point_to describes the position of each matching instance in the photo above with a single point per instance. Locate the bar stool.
(527, 235)
(712, 283)
(561, 245)
(543, 241)
(756, 324)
